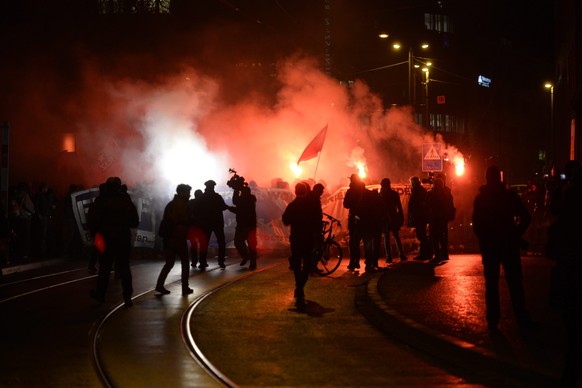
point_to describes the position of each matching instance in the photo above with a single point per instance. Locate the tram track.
(94, 337)
(189, 340)
(12, 290)
(115, 321)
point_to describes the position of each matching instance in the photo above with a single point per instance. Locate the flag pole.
(317, 165)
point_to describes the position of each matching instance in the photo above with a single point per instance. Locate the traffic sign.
(432, 157)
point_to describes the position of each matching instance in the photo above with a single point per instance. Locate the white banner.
(271, 233)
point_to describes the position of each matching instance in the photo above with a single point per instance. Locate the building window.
(134, 7)
(437, 22)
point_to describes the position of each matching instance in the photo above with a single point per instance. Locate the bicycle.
(329, 255)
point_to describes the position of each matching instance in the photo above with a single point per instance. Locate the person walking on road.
(500, 218)
(418, 217)
(174, 230)
(213, 206)
(245, 233)
(110, 220)
(392, 219)
(304, 217)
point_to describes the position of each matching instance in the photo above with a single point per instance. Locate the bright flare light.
(460, 167)
(361, 169)
(296, 169)
(188, 161)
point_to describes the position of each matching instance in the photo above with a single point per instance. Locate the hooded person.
(174, 230)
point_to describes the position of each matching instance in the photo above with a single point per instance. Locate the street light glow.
(548, 85)
(384, 35)
(396, 46)
(424, 46)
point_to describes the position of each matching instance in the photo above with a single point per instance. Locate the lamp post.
(549, 86)
(412, 64)
(426, 119)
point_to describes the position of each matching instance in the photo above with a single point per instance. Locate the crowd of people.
(39, 224)
(193, 222)
(36, 223)
(501, 220)
(375, 216)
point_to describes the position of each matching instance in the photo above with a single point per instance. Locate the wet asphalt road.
(249, 331)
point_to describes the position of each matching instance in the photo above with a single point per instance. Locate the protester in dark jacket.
(441, 210)
(304, 217)
(195, 232)
(353, 202)
(418, 217)
(174, 231)
(213, 206)
(566, 250)
(371, 227)
(392, 216)
(500, 218)
(245, 234)
(111, 221)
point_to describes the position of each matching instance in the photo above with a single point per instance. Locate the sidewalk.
(441, 310)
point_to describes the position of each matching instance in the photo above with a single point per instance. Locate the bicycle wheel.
(331, 258)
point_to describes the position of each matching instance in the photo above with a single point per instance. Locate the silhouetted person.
(92, 251)
(500, 218)
(441, 210)
(371, 227)
(305, 219)
(112, 221)
(213, 222)
(71, 236)
(353, 202)
(245, 233)
(46, 205)
(418, 217)
(195, 233)
(21, 212)
(392, 216)
(316, 194)
(533, 198)
(317, 191)
(557, 185)
(452, 211)
(173, 229)
(4, 236)
(565, 234)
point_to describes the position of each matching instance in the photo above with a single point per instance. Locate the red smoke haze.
(180, 129)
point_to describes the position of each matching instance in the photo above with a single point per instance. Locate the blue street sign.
(432, 157)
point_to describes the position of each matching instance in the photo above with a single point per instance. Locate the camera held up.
(236, 182)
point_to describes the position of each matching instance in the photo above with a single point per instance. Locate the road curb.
(470, 357)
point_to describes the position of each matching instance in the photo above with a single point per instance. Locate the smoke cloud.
(186, 128)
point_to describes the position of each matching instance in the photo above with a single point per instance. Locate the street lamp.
(413, 63)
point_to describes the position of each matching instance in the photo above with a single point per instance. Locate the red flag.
(314, 147)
